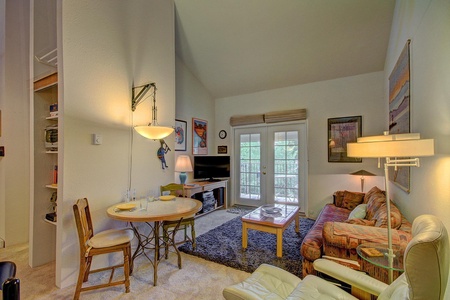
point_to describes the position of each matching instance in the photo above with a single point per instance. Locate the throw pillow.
(359, 212)
(338, 196)
(381, 216)
(352, 199)
(374, 199)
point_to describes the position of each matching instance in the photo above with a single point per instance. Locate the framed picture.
(222, 149)
(199, 136)
(180, 135)
(399, 110)
(340, 132)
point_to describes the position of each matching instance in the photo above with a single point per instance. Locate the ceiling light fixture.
(151, 131)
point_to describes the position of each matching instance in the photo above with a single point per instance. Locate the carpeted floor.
(223, 245)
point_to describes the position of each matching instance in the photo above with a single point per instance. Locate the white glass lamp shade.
(395, 145)
(154, 132)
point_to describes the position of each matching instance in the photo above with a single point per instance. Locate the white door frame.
(303, 161)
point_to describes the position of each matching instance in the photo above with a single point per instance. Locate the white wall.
(427, 24)
(108, 46)
(14, 106)
(351, 96)
(193, 101)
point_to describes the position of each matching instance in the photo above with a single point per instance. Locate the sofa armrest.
(349, 236)
(355, 278)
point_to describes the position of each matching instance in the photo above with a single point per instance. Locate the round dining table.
(153, 214)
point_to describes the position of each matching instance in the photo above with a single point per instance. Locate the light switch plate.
(97, 139)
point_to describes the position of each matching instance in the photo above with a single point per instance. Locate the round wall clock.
(222, 134)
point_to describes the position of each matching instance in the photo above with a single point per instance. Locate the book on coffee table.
(372, 252)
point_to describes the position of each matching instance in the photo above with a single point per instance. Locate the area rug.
(223, 245)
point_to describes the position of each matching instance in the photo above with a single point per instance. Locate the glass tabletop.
(377, 254)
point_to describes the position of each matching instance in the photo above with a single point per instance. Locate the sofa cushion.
(358, 212)
(352, 199)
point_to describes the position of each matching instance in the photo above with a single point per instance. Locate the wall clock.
(222, 134)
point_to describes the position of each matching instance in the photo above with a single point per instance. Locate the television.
(211, 167)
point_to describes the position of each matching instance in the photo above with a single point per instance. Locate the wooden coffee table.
(271, 223)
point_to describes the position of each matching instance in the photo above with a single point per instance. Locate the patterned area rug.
(223, 245)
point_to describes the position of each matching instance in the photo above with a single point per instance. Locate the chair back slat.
(83, 222)
(174, 189)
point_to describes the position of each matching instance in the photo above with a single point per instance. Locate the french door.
(271, 165)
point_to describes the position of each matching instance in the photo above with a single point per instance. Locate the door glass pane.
(286, 169)
(250, 161)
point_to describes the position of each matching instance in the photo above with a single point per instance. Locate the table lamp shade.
(183, 165)
(395, 145)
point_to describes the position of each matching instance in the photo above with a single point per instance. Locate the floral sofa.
(352, 219)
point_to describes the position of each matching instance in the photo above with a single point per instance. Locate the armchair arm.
(354, 278)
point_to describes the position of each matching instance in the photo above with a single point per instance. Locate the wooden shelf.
(51, 186)
(52, 118)
(46, 82)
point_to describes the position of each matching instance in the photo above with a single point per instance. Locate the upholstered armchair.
(426, 264)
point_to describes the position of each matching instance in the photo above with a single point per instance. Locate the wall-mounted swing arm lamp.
(151, 131)
(391, 147)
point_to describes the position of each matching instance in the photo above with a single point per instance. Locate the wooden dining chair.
(168, 226)
(105, 242)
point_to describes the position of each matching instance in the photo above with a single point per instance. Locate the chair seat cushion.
(267, 282)
(111, 237)
(313, 287)
(272, 283)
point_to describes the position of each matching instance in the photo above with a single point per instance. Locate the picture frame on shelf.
(341, 131)
(199, 136)
(180, 135)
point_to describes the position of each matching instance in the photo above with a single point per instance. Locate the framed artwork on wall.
(399, 110)
(222, 149)
(199, 136)
(180, 135)
(340, 132)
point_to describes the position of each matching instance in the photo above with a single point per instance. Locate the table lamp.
(362, 173)
(390, 147)
(183, 165)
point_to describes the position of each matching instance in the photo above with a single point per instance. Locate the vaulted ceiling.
(236, 47)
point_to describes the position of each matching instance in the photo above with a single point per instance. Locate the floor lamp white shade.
(390, 147)
(183, 165)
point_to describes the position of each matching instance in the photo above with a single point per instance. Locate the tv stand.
(218, 187)
(214, 180)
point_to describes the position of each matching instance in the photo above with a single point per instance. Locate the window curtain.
(270, 117)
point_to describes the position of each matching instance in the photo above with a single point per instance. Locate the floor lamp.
(390, 147)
